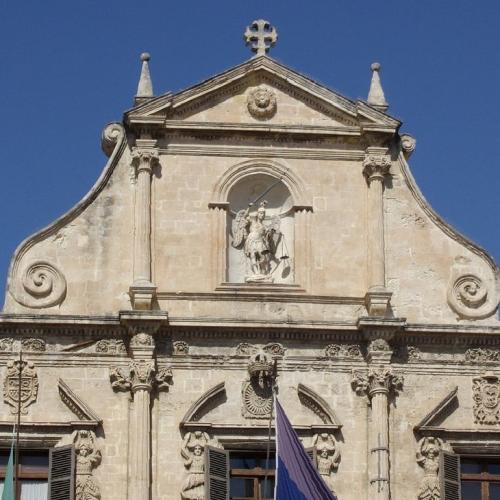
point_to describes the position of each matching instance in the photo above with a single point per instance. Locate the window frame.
(484, 477)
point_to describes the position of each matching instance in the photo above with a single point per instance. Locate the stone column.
(142, 378)
(142, 372)
(145, 157)
(376, 165)
(377, 383)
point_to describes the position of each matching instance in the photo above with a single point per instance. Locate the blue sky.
(68, 68)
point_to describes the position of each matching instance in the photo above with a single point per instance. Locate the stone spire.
(376, 97)
(145, 87)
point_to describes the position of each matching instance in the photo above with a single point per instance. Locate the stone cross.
(261, 35)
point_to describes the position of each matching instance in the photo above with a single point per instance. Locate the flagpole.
(16, 475)
(273, 392)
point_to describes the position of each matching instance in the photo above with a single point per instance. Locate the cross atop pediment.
(261, 36)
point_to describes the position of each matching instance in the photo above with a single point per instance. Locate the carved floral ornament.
(486, 396)
(261, 102)
(376, 164)
(352, 351)
(275, 349)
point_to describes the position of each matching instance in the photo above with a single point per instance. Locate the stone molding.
(449, 230)
(76, 404)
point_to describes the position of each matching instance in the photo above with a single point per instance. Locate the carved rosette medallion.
(486, 396)
(428, 458)
(41, 285)
(376, 380)
(261, 103)
(27, 393)
(351, 351)
(88, 457)
(275, 349)
(110, 346)
(180, 348)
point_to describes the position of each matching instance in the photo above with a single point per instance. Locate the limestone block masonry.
(255, 222)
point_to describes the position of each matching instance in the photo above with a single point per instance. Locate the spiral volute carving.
(42, 285)
(110, 137)
(471, 296)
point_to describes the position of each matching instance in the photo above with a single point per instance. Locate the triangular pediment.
(226, 99)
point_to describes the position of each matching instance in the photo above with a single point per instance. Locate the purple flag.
(296, 476)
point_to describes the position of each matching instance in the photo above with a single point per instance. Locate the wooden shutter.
(216, 474)
(312, 455)
(62, 473)
(449, 476)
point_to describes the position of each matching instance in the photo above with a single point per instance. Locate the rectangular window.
(33, 473)
(480, 478)
(249, 477)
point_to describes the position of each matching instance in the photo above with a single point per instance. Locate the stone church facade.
(254, 227)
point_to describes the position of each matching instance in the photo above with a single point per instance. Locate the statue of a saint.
(259, 242)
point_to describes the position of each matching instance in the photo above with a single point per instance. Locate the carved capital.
(144, 159)
(377, 380)
(376, 164)
(142, 375)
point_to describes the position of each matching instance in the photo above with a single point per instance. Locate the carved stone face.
(84, 450)
(324, 453)
(490, 395)
(262, 98)
(198, 450)
(261, 213)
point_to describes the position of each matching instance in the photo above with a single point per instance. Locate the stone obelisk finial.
(145, 87)
(376, 97)
(261, 36)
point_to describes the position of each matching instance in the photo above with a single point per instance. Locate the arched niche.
(260, 226)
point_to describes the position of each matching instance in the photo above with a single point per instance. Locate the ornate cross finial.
(261, 35)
